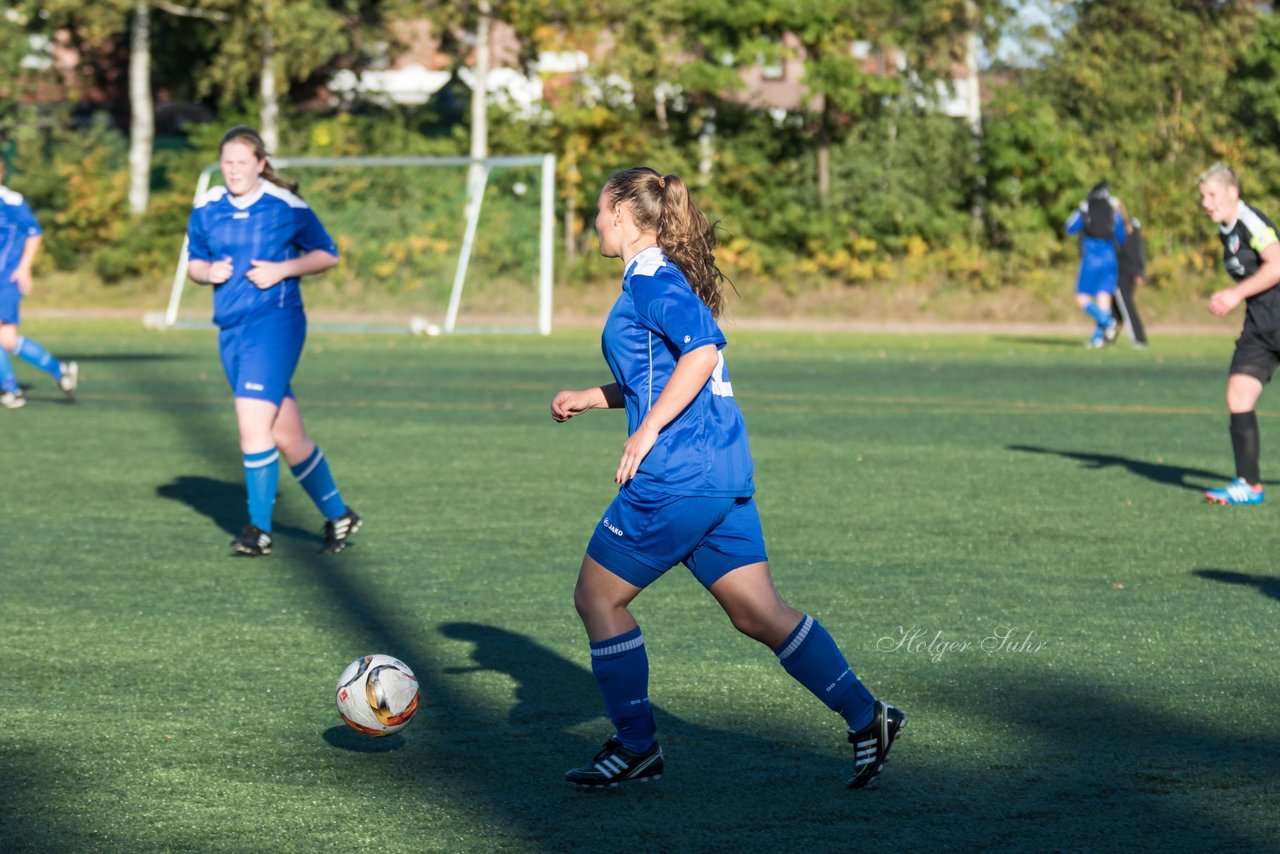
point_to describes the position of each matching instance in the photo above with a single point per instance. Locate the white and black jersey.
(1243, 241)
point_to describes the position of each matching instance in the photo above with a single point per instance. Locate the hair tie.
(662, 182)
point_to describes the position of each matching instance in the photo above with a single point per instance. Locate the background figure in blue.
(686, 485)
(1102, 232)
(252, 240)
(20, 237)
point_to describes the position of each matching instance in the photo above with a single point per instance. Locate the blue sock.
(1099, 314)
(313, 474)
(621, 668)
(812, 658)
(32, 352)
(261, 475)
(8, 382)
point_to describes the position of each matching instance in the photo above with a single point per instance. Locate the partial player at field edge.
(20, 238)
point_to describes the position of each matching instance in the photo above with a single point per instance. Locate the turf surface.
(1005, 534)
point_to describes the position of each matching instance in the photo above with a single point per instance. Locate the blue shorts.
(1098, 273)
(645, 533)
(259, 357)
(10, 297)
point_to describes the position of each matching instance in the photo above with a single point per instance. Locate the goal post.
(403, 265)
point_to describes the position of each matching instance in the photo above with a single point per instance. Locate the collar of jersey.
(1231, 226)
(248, 200)
(635, 259)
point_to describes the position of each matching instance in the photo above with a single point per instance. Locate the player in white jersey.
(685, 493)
(20, 238)
(253, 240)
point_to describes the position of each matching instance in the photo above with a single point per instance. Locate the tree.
(1141, 114)
(843, 84)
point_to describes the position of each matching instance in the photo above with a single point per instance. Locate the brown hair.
(251, 138)
(661, 203)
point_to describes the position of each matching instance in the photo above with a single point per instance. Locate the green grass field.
(162, 695)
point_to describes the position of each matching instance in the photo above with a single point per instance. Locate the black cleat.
(615, 764)
(70, 380)
(337, 531)
(253, 541)
(871, 744)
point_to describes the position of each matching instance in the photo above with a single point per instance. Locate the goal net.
(425, 244)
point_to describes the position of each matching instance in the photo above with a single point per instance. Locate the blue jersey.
(17, 226)
(657, 319)
(1099, 264)
(272, 224)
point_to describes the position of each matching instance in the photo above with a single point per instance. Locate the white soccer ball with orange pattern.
(377, 695)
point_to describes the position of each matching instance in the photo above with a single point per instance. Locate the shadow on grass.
(223, 502)
(345, 738)
(1267, 585)
(1001, 754)
(1159, 472)
(1087, 764)
(42, 391)
(1042, 341)
(90, 358)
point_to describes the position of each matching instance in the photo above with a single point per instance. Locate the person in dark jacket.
(1132, 259)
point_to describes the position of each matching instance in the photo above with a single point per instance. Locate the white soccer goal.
(425, 244)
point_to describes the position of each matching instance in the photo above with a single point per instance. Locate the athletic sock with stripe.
(621, 668)
(812, 658)
(261, 476)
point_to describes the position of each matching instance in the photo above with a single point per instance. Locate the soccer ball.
(377, 695)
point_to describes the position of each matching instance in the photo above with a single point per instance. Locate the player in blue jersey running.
(1251, 254)
(686, 485)
(1102, 232)
(252, 240)
(20, 237)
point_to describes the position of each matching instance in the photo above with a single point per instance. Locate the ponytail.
(661, 203)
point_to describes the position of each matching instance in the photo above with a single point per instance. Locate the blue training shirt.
(1099, 258)
(271, 224)
(656, 320)
(17, 225)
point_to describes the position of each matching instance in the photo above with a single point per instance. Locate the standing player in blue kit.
(252, 240)
(20, 238)
(686, 485)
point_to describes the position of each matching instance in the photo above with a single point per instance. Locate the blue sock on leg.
(261, 476)
(32, 353)
(621, 668)
(313, 473)
(812, 658)
(1100, 315)
(8, 381)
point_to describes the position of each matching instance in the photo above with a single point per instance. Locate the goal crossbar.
(475, 195)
